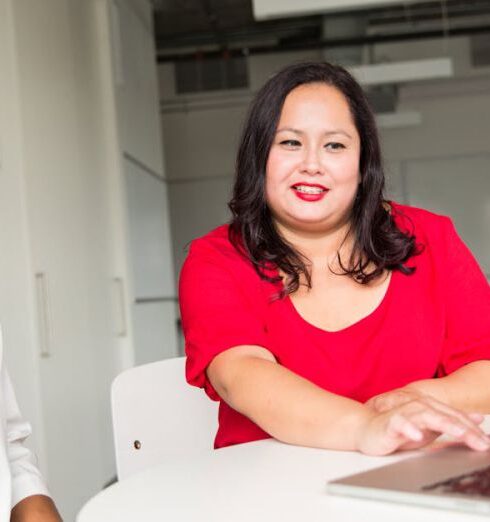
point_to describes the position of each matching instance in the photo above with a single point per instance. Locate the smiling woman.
(312, 162)
(324, 315)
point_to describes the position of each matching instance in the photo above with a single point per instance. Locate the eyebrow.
(327, 133)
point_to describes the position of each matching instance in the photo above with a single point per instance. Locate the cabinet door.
(155, 331)
(153, 292)
(149, 233)
(136, 80)
(66, 202)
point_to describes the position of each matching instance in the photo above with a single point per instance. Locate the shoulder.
(214, 255)
(421, 223)
(216, 247)
(216, 240)
(216, 269)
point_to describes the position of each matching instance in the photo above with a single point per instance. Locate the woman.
(322, 314)
(23, 493)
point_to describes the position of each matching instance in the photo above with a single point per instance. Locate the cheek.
(275, 174)
(273, 167)
(347, 174)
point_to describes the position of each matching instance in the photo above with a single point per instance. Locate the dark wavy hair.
(378, 242)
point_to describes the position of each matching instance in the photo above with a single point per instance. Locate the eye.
(290, 144)
(334, 146)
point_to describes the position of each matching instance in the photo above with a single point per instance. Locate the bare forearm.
(466, 389)
(36, 508)
(296, 411)
(290, 408)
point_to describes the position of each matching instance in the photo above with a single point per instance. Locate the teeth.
(308, 190)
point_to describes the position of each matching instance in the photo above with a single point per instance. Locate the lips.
(309, 191)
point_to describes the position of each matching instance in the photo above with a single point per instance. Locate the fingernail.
(482, 444)
(458, 431)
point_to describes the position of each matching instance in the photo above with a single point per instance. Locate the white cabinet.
(155, 330)
(153, 309)
(151, 289)
(66, 222)
(149, 233)
(136, 81)
(58, 194)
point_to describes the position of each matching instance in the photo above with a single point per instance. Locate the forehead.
(318, 100)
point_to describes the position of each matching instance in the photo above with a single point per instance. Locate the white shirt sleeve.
(26, 480)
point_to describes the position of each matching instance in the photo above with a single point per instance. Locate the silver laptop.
(453, 477)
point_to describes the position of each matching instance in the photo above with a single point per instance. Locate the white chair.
(156, 413)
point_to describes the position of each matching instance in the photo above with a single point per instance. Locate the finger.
(465, 418)
(399, 427)
(477, 418)
(435, 420)
(476, 441)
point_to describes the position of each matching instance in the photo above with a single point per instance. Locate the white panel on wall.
(149, 233)
(155, 331)
(458, 187)
(196, 207)
(137, 83)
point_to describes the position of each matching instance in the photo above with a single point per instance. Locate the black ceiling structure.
(186, 29)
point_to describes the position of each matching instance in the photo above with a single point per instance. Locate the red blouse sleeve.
(467, 301)
(220, 306)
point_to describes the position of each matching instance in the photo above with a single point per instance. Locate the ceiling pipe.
(327, 43)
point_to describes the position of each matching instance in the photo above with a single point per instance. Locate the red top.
(427, 325)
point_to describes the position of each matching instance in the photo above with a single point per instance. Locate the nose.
(311, 163)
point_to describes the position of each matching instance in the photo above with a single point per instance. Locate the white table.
(258, 481)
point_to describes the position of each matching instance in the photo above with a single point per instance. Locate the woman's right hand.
(415, 424)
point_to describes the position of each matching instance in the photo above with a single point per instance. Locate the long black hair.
(378, 242)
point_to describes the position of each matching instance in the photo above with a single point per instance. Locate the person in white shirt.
(23, 493)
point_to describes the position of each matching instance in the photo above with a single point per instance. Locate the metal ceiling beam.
(332, 43)
(263, 30)
(424, 16)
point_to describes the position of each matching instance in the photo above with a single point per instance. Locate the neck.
(318, 246)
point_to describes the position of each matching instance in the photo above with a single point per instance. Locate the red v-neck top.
(427, 325)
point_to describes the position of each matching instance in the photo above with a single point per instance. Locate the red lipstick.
(309, 191)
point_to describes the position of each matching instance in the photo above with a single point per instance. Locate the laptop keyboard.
(475, 483)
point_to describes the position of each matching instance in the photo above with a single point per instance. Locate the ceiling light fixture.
(402, 72)
(264, 9)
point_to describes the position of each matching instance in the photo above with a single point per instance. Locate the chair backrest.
(156, 413)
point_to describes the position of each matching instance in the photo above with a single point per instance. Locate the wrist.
(35, 508)
(433, 388)
(360, 427)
